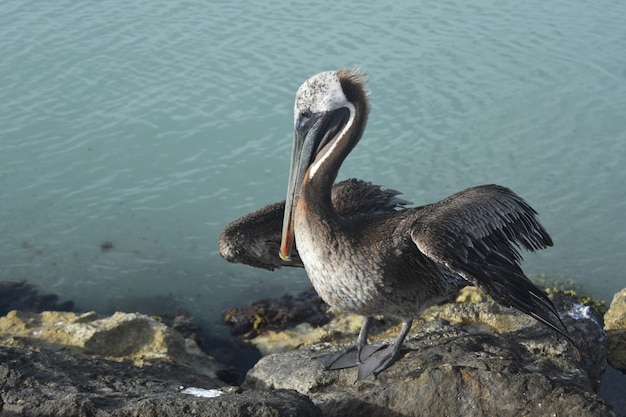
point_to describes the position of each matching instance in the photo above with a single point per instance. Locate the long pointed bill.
(311, 136)
(300, 159)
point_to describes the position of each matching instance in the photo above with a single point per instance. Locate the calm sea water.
(151, 125)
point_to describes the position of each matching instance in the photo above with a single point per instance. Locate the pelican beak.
(313, 133)
(302, 154)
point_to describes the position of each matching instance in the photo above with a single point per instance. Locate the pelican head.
(330, 114)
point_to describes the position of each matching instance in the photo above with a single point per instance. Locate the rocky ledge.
(48, 383)
(469, 359)
(461, 367)
(128, 364)
(615, 326)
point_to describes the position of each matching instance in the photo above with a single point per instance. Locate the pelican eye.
(305, 119)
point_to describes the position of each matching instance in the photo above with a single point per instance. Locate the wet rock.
(180, 320)
(463, 359)
(277, 314)
(48, 383)
(615, 326)
(25, 297)
(123, 337)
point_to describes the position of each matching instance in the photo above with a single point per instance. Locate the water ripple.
(152, 124)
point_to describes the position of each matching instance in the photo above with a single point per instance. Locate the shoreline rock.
(276, 314)
(461, 369)
(615, 327)
(470, 359)
(130, 337)
(48, 383)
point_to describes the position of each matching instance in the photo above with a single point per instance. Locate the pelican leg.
(382, 359)
(354, 355)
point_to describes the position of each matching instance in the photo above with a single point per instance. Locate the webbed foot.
(348, 358)
(379, 361)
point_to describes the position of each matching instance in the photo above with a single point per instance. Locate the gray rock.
(615, 326)
(122, 336)
(462, 369)
(48, 383)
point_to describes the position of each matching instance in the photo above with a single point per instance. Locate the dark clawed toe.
(378, 362)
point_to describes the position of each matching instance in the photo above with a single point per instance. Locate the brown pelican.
(396, 262)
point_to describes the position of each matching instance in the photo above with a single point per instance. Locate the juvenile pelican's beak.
(313, 133)
(302, 154)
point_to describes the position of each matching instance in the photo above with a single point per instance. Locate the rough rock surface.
(461, 359)
(122, 336)
(458, 364)
(48, 383)
(615, 326)
(275, 314)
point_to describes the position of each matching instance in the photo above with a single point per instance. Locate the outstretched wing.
(254, 239)
(477, 233)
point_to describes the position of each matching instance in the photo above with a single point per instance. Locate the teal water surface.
(149, 125)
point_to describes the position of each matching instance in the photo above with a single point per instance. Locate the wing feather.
(477, 233)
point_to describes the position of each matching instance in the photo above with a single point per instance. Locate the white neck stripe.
(340, 136)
